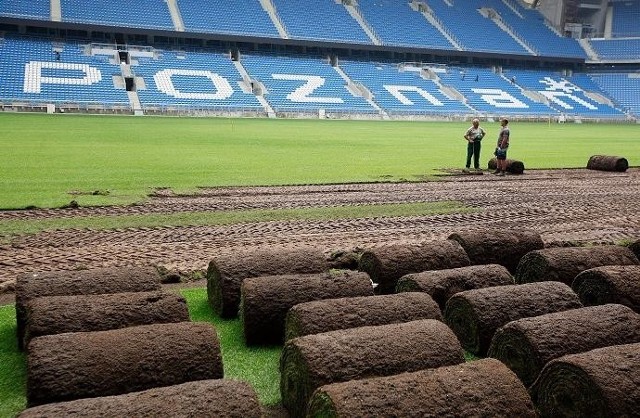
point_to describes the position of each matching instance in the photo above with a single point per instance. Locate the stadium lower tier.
(37, 72)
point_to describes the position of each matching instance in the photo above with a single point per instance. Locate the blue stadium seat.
(31, 73)
(624, 88)
(402, 91)
(626, 15)
(32, 9)
(491, 93)
(617, 49)
(567, 95)
(239, 17)
(395, 23)
(150, 14)
(303, 84)
(474, 31)
(193, 80)
(530, 25)
(323, 20)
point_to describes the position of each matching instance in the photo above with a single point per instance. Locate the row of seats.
(626, 14)
(617, 49)
(202, 79)
(396, 23)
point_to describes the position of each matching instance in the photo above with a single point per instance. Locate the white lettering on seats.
(222, 88)
(554, 96)
(396, 91)
(563, 89)
(302, 93)
(500, 98)
(33, 79)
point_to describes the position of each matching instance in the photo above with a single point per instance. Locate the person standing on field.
(501, 148)
(474, 136)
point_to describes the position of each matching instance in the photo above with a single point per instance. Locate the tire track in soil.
(564, 206)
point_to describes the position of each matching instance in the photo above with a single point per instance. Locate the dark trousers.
(473, 150)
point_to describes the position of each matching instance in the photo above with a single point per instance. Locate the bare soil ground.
(567, 207)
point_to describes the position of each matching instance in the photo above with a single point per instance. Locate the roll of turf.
(343, 313)
(266, 300)
(315, 360)
(212, 398)
(526, 345)
(81, 282)
(50, 315)
(226, 273)
(563, 264)
(442, 284)
(609, 284)
(607, 163)
(482, 388)
(77, 365)
(513, 166)
(387, 264)
(599, 383)
(492, 246)
(475, 315)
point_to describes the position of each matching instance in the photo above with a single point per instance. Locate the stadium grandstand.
(564, 60)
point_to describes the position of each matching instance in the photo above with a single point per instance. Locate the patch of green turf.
(257, 365)
(16, 227)
(49, 160)
(13, 370)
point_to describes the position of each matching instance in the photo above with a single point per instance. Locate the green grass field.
(49, 160)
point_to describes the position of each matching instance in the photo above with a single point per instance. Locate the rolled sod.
(49, 315)
(492, 246)
(526, 345)
(563, 264)
(226, 273)
(77, 365)
(482, 388)
(81, 282)
(513, 166)
(607, 163)
(204, 398)
(266, 300)
(609, 284)
(343, 313)
(442, 284)
(338, 356)
(604, 382)
(387, 264)
(475, 315)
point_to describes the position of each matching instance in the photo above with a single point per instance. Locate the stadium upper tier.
(41, 71)
(494, 26)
